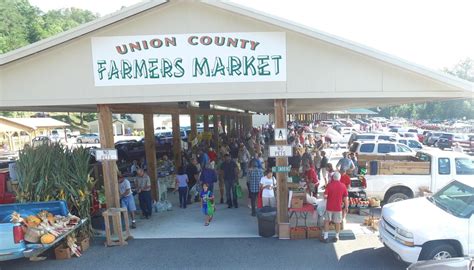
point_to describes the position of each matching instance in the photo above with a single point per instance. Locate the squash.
(47, 238)
(33, 221)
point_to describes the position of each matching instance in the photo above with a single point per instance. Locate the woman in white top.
(267, 184)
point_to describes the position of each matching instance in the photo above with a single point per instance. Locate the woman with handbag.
(267, 184)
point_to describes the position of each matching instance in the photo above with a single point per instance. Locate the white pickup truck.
(431, 228)
(444, 167)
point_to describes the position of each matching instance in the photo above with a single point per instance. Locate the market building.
(151, 57)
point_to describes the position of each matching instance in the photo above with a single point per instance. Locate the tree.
(449, 109)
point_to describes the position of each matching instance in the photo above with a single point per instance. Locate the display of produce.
(45, 228)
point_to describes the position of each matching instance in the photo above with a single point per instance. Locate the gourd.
(33, 221)
(47, 238)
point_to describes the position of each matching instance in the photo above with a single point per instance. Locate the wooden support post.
(227, 124)
(215, 133)
(193, 125)
(205, 118)
(109, 167)
(176, 140)
(150, 152)
(282, 187)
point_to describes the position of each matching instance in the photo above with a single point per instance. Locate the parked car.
(131, 150)
(88, 138)
(380, 148)
(447, 140)
(372, 137)
(431, 228)
(433, 138)
(451, 264)
(40, 140)
(412, 143)
(443, 167)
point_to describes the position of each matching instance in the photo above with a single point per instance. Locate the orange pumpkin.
(47, 238)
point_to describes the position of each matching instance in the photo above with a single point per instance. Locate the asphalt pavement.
(364, 253)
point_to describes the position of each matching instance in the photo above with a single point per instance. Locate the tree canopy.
(23, 24)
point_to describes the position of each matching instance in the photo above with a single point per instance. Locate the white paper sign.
(280, 151)
(189, 58)
(280, 134)
(106, 154)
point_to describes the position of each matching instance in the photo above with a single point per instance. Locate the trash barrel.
(266, 221)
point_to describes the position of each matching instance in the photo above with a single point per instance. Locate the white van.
(431, 228)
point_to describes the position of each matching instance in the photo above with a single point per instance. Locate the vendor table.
(302, 213)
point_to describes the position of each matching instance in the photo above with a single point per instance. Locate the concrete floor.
(227, 223)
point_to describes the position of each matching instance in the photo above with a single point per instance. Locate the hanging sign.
(280, 134)
(189, 58)
(280, 151)
(106, 154)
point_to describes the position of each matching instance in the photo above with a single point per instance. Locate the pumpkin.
(47, 238)
(33, 221)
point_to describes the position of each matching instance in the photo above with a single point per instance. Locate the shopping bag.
(259, 200)
(238, 191)
(210, 208)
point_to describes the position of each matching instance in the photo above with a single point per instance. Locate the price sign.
(281, 169)
(280, 151)
(106, 154)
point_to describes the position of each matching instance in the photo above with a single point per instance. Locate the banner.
(189, 58)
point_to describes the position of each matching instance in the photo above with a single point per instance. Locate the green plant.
(54, 172)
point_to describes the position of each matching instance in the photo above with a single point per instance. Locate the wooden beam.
(282, 187)
(193, 125)
(206, 122)
(215, 133)
(109, 168)
(147, 108)
(150, 153)
(176, 140)
(228, 126)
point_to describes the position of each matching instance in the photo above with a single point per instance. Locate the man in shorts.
(335, 194)
(126, 198)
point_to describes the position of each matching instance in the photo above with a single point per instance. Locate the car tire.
(397, 196)
(79, 141)
(96, 140)
(438, 251)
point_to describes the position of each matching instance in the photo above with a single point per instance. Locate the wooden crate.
(313, 232)
(297, 233)
(62, 252)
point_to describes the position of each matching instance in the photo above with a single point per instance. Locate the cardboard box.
(297, 233)
(62, 252)
(313, 232)
(84, 243)
(296, 202)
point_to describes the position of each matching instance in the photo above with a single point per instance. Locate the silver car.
(445, 264)
(88, 138)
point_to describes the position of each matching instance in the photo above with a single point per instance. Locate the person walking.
(267, 184)
(324, 165)
(317, 163)
(345, 163)
(182, 187)
(335, 194)
(244, 158)
(207, 204)
(143, 187)
(254, 175)
(126, 198)
(230, 173)
(208, 176)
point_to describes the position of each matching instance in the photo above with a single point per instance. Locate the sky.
(431, 33)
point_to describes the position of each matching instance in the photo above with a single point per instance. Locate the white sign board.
(280, 151)
(106, 154)
(280, 134)
(189, 58)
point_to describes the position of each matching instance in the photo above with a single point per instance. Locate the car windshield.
(465, 166)
(456, 198)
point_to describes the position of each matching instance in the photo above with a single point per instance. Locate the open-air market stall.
(220, 53)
